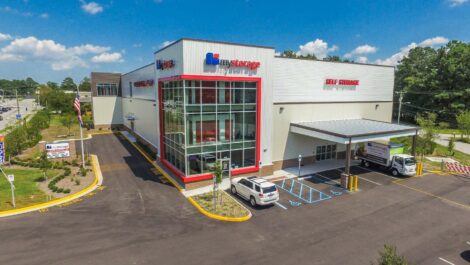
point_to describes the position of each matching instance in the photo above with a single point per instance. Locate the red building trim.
(206, 176)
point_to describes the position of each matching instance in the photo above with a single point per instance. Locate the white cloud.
(58, 56)
(88, 48)
(318, 47)
(4, 37)
(165, 43)
(397, 57)
(107, 58)
(44, 15)
(454, 3)
(7, 9)
(92, 8)
(360, 52)
(137, 45)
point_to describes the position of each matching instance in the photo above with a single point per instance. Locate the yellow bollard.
(355, 182)
(350, 182)
(419, 169)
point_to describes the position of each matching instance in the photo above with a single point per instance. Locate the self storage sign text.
(213, 59)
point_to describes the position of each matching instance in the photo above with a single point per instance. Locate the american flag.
(76, 105)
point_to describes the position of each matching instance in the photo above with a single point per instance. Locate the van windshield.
(269, 189)
(410, 161)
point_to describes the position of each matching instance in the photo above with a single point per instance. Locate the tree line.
(28, 86)
(435, 81)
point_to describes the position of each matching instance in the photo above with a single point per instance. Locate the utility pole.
(400, 100)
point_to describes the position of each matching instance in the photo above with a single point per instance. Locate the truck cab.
(404, 165)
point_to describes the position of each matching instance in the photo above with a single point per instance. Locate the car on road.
(1, 118)
(256, 190)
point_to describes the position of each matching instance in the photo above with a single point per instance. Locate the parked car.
(1, 118)
(5, 109)
(256, 190)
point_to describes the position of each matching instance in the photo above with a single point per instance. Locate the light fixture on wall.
(377, 106)
(281, 109)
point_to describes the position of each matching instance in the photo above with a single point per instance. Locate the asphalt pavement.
(27, 106)
(138, 218)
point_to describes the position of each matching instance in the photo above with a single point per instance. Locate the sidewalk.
(443, 139)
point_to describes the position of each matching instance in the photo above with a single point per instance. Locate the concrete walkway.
(444, 140)
(319, 166)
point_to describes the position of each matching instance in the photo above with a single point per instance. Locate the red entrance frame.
(205, 176)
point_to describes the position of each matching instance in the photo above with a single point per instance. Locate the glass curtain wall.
(216, 119)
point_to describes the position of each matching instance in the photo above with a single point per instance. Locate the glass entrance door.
(325, 152)
(225, 167)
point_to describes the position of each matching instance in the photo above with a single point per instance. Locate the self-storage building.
(200, 102)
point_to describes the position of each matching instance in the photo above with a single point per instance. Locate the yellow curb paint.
(191, 200)
(58, 202)
(218, 217)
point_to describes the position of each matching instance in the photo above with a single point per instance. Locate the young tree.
(451, 146)
(463, 121)
(67, 120)
(44, 162)
(217, 180)
(389, 256)
(426, 139)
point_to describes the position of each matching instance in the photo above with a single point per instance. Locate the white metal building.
(201, 101)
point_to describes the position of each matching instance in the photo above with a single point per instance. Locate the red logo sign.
(144, 83)
(342, 82)
(164, 64)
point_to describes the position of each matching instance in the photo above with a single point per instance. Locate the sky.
(50, 40)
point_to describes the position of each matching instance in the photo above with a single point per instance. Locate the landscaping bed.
(27, 191)
(226, 205)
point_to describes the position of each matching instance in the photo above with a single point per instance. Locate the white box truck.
(388, 155)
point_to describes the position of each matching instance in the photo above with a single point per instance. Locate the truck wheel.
(252, 201)
(395, 172)
(367, 164)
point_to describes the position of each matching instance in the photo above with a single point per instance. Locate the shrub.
(68, 171)
(66, 191)
(40, 179)
(83, 171)
(390, 257)
(77, 182)
(75, 162)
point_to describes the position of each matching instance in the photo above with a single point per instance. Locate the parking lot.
(139, 219)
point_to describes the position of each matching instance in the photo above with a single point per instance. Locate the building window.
(107, 89)
(326, 152)
(209, 120)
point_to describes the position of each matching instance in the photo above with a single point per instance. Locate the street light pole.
(400, 100)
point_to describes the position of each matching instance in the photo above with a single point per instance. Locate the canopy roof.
(353, 130)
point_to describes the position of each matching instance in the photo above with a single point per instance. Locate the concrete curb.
(96, 183)
(220, 217)
(191, 200)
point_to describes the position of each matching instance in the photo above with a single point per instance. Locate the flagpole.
(81, 132)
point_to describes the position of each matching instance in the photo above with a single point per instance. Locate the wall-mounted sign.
(2, 149)
(342, 82)
(164, 64)
(213, 59)
(144, 83)
(58, 150)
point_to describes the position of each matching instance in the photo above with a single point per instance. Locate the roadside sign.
(2, 149)
(11, 178)
(58, 150)
(18, 116)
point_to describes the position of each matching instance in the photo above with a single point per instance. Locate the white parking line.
(378, 172)
(280, 205)
(316, 174)
(446, 261)
(368, 180)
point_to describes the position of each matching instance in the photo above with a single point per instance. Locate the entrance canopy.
(352, 131)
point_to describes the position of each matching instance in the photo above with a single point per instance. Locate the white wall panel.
(107, 110)
(146, 118)
(304, 81)
(141, 74)
(175, 53)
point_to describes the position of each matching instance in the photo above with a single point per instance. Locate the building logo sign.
(340, 84)
(144, 83)
(164, 64)
(58, 150)
(214, 59)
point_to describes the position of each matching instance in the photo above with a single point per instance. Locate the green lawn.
(26, 193)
